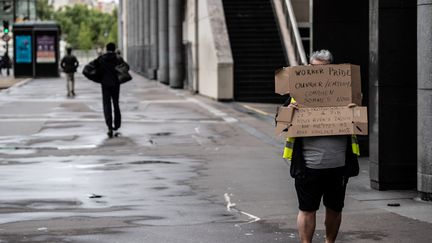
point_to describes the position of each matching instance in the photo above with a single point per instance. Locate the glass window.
(25, 10)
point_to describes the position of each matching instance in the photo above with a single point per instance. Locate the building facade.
(201, 46)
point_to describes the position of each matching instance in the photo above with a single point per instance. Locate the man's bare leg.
(332, 223)
(306, 222)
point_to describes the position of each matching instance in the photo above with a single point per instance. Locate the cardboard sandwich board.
(321, 85)
(322, 121)
(281, 81)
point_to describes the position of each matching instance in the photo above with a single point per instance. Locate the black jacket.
(69, 64)
(298, 164)
(106, 68)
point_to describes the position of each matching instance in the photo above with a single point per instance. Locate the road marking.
(229, 203)
(256, 110)
(18, 84)
(214, 111)
(232, 207)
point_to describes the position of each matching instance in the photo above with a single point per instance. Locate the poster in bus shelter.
(23, 51)
(45, 49)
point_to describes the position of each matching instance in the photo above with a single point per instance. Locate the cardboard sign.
(322, 121)
(281, 81)
(321, 85)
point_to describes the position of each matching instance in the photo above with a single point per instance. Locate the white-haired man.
(321, 167)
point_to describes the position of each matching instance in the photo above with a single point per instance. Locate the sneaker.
(117, 134)
(73, 93)
(110, 133)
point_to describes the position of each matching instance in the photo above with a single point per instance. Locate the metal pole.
(8, 58)
(297, 37)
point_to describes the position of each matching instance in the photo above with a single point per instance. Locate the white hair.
(322, 55)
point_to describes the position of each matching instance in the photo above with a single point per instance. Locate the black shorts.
(329, 184)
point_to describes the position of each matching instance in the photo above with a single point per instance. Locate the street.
(184, 169)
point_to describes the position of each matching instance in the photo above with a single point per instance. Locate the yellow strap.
(355, 146)
(287, 154)
(288, 149)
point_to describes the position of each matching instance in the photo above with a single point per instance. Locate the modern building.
(103, 6)
(228, 50)
(106, 6)
(15, 11)
(18, 10)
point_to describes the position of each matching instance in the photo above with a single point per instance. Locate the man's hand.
(293, 105)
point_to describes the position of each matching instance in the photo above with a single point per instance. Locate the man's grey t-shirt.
(324, 152)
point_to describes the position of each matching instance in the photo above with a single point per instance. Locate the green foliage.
(44, 10)
(84, 37)
(82, 27)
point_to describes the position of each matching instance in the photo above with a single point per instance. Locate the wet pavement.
(184, 169)
(64, 180)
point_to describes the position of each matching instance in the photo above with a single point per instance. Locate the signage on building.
(6, 38)
(23, 50)
(45, 45)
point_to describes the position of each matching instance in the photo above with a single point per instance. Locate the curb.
(16, 85)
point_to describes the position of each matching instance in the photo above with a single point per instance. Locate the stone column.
(128, 29)
(424, 98)
(120, 25)
(136, 34)
(392, 94)
(163, 41)
(139, 35)
(142, 37)
(147, 37)
(176, 63)
(153, 37)
(133, 25)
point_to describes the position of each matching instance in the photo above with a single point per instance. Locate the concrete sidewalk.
(186, 169)
(8, 81)
(405, 203)
(359, 188)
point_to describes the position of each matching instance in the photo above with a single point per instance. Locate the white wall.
(215, 69)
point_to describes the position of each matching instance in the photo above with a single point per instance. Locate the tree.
(84, 37)
(113, 33)
(81, 26)
(44, 11)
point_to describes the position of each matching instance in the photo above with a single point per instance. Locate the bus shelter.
(36, 49)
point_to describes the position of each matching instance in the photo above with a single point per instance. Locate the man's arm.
(62, 63)
(76, 63)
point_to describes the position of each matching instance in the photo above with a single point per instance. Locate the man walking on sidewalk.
(69, 64)
(110, 83)
(321, 167)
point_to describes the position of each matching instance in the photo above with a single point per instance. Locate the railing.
(290, 33)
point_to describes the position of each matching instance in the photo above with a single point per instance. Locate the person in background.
(110, 84)
(321, 167)
(69, 64)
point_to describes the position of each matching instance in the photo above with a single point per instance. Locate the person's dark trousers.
(111, 94)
